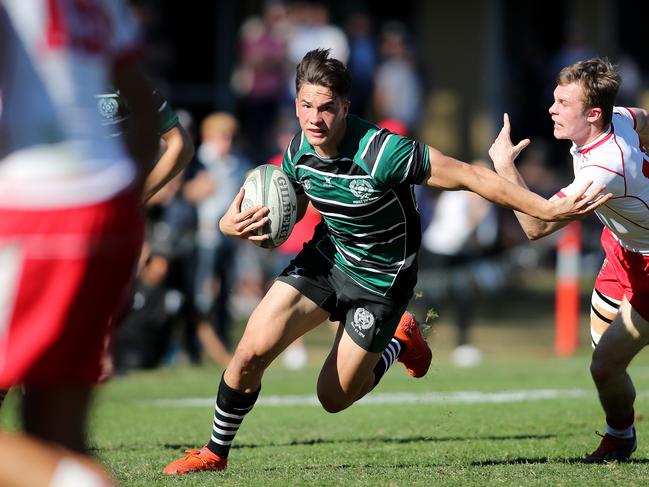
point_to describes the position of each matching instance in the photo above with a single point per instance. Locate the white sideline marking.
(378, 399)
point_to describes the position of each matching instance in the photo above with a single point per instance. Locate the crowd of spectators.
(195, 284)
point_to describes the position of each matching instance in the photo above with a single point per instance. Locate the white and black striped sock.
(230, 409)
(623, 428)
(388, 357)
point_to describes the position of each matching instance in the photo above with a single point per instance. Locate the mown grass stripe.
(379, 399)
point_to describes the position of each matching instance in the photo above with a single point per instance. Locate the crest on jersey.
(363, 320)
(307, 184)
(108, 107)
(361, 188)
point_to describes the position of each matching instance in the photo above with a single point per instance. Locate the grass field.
(435, 436)
(523, 417)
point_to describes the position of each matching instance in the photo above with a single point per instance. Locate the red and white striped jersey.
(55, 57)
(618, 160)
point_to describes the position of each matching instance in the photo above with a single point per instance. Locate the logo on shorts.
(363, 321)
(295, 271)
(361, 188)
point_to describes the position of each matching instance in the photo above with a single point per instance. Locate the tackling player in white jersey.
(609, 149)
(70, 220)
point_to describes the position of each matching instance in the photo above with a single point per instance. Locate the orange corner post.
(566, 339)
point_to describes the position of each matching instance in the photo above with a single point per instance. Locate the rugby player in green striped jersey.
(360, 267)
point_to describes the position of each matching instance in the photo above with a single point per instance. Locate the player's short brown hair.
(599, 81)
(317, 68)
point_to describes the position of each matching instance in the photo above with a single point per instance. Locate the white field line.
(378, 399)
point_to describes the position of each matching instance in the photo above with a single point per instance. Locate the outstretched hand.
(502, 151)
(579, 204)
(244, 224)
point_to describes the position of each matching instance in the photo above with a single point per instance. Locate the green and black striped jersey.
(367, 202)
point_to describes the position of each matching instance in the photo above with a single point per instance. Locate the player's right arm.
(534, 228)
(243, 224)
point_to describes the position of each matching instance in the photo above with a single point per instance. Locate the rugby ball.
(268, 186)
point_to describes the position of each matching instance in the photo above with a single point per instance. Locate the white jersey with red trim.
(55, 57)
(617, 159)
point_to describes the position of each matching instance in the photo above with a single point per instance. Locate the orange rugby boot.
(196, 461)
(417, 356)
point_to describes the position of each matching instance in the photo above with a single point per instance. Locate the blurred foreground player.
(176, 150)
(608, 148)
(70, 221)
(359, 268)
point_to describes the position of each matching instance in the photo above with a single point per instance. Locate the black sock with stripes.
(390, 354)
(231, 408)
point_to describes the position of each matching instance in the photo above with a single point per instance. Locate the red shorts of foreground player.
(624, 273)
(63, 272)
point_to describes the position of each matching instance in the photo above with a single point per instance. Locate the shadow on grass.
(379, 439)
(543, 460)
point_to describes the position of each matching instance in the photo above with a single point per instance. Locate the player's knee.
(247, 363)
(331, 403)
(600, 371)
